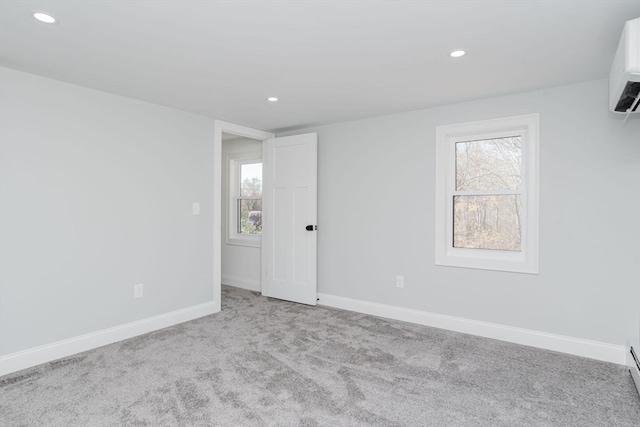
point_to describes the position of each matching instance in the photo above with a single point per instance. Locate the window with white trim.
(245, 201)
(487, 194)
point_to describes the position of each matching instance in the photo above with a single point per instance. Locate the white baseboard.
(35, 356)
(564, 344)
(241, 283)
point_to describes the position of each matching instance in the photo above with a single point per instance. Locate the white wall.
(241, 265)
(589, 209)
(96, 195)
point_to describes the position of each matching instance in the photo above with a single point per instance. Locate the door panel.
(290, 197)
(290, 162)
(278, 246)
(300, 255)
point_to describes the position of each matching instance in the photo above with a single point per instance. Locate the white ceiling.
(327, 61)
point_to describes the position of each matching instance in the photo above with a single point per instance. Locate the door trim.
(219, 127)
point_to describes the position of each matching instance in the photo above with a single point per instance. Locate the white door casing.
(289, 249)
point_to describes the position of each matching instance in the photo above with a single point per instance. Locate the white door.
(289, 218)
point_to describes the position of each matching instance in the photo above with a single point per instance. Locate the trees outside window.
(249, 220)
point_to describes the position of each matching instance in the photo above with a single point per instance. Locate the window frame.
(234, 163)
(523, 261)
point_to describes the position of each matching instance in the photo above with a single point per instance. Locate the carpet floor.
(265, 362)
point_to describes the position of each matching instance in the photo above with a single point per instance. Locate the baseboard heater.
(634, 368)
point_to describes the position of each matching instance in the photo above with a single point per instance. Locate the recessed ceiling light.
(272, 99)
(457, 53)
(43, 17)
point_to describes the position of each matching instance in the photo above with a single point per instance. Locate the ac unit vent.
(629, 95)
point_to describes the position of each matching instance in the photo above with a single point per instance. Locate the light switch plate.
(196, 208)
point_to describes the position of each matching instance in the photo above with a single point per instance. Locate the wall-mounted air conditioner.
(624, 80)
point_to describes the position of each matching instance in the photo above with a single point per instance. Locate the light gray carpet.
(264, 362)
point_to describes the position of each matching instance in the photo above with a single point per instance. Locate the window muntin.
(487, 194)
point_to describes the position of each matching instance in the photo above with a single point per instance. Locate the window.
(245, 201)
(487, 194)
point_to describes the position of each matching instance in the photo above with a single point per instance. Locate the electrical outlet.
(196, 209)
(138, 291)
(400, 281)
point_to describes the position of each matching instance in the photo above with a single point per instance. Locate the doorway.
(246, 138)
(288, 211)
(241, 212)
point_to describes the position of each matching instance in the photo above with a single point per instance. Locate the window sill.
(250, 241)
(488, 264)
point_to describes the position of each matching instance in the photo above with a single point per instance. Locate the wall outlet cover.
(138, 290)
